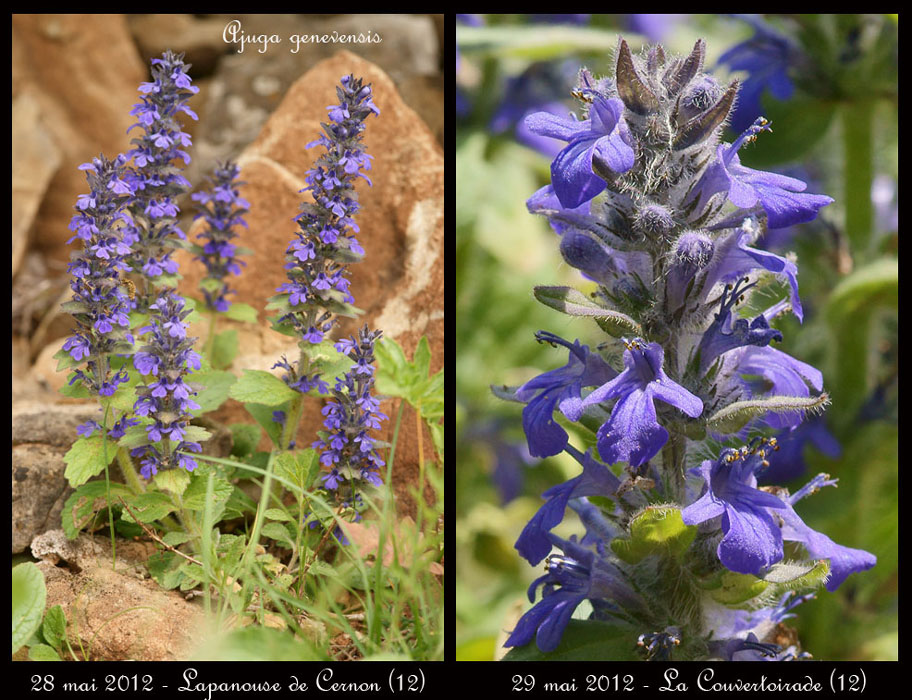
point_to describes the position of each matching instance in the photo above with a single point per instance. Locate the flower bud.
(588, 255)
(653, 220)
(703, 92)
(693, 252)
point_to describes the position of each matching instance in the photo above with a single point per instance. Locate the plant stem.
(858, 152)
(419, 511)
(129, 471)
(210, 339)
(104, 451)
(852, 349)
(258, 520)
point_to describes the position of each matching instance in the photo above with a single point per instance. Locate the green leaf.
(125, 396)
(148, 507)
(29, 594)
(263, 415)
(256, 643)
(325, 354)
(260, 387)
(241, 312)
(65, 360)
(239, 504)
(53, 629)
(134, 436)
(176, 538)
(437, 436)
(872, 285)
(791, 571)
(173, 480)
(277, 514)
(396, 376)
(583, 640)
(210, 284)
(656, 530)
(797, 575)
(574, 303)
(299, 467)
(217, 385)
(422, 357)
(195, 496)
(737, 588)
(278, 532)
(74, 391)
(196, 433)
(86, 458)
(82, 505)
(42, 652)
(736, 415)
(194, 572)
(230, 548)
(165, 568)
(224, 349)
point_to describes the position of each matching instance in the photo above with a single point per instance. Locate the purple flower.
(169, 355)
(752, 540)
(100, 304)
(155, 180)
(632, 434)
(222, 209)
(782, 198)
(317, 260)
(347, 446)
(843, 560)
(595, 144)
(571, 579)
(752, 535)
(724, 334)
(559, 388)
(782, 375)
(734, 258)
(766, 57)
(596, 480)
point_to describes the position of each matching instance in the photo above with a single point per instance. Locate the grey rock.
(39, 491)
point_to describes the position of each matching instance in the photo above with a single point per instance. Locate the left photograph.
(227, 337)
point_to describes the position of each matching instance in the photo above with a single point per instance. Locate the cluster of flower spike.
(348, 448)
(155, 180)
(166, 397)
(100, 304)
(317, 259)
(661, 218)
(223, 209)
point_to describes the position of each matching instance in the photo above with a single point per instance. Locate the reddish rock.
(400, 283)
(82, 72)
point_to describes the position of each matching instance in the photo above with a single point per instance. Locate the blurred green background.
(840, 128)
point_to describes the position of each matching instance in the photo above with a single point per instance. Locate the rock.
(39, 491)
(44, 371)
(41, 436)
(89, 551)
(37, 294)
(200, 39)
(400, 284)
(50, 425)
(151, 624)
(35, 159)
(82, 73)
(248, 86)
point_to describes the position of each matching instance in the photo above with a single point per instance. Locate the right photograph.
(677, 371)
